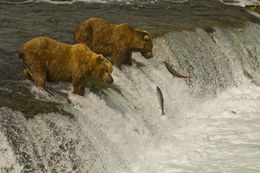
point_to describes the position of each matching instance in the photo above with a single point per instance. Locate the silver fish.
(161, 100)
(174, 72)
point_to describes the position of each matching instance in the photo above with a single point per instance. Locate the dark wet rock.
(19, 97)
(209, 30)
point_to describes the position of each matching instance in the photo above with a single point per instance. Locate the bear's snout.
(110, 79)
(148, 55)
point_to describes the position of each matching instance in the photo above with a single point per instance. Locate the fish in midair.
(161, 100)
(174, 72)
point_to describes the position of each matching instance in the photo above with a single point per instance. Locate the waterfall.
(211, 122)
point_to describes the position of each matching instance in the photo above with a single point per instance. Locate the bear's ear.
(100, 59)
(146, 38)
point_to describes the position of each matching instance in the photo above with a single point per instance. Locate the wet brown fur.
(115, 41)
(45, 59)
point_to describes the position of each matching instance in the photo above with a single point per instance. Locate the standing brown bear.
(45, 59)
(115, 41)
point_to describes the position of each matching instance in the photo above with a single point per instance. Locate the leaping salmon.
(174, 72)
(161, 100)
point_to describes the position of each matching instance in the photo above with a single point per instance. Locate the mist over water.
(212, 120)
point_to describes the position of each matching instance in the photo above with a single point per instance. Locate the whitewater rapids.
(212, 121)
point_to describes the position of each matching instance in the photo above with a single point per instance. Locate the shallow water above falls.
(212, 120)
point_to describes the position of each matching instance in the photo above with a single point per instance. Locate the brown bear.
(46, 59)
(115, 41)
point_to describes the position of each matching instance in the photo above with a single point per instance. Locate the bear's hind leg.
(117, 60)
(38, 75)
(40, 79)
(128, 61)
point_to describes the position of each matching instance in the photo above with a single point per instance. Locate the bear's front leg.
(128, 59)
(79, 86)
(117, 60)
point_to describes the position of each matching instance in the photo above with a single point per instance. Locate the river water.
(212, 120)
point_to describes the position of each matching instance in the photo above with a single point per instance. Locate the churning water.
(212, 120)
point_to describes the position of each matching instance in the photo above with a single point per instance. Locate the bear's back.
(45, 48)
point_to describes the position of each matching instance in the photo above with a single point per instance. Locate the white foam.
(22, 2)
(217, 136)
(8, 162)
(56, 2)
(212, 135)
(241, 3)
(47, 95)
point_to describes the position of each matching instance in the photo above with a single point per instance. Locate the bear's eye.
(107, 70)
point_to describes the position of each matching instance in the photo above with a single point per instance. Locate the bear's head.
(103, 69)
(147, 45)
